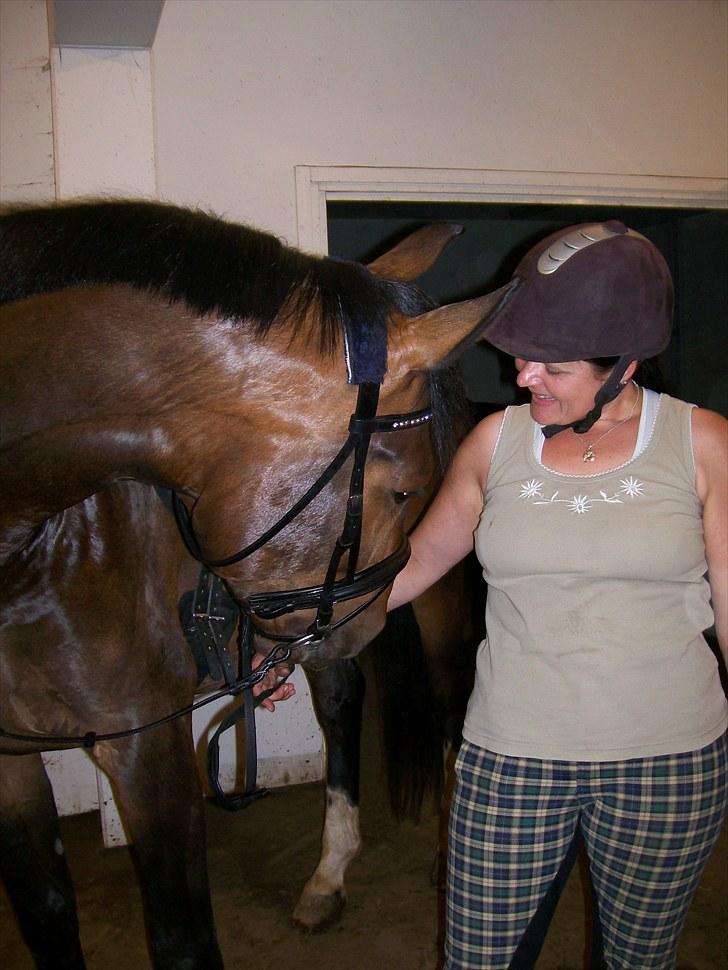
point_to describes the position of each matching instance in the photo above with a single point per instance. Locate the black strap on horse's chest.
(208, 616)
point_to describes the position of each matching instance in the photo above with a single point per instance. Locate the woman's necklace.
(589, 453)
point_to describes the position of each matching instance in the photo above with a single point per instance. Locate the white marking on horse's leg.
(323, 895)
(341, 841)
(58, 847)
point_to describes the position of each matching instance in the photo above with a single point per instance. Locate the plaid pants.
(649, 825)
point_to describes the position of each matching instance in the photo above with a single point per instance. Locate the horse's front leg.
(157, 787)
(33, 864)
(338, 695)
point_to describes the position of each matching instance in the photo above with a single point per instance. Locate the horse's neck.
(105, 384)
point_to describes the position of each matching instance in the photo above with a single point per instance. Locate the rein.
(88, 740)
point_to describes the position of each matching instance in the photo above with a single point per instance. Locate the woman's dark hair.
(648, 374)
(604, 364)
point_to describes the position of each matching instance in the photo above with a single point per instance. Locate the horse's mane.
(452, 414)
(215, 267)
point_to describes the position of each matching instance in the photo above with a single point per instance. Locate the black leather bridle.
(370, 582)
(373, 580)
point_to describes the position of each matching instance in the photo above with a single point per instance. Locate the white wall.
(103, 123)
(26, 132)
(236, 93)
(72, 122)
(244, 91)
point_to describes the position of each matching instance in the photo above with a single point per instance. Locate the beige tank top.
(597, 603)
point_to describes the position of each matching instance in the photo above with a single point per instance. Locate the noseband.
(373, 580)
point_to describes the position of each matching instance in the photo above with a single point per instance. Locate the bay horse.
(146, 346)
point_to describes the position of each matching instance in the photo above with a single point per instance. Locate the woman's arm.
(710, 446)
(445, 534)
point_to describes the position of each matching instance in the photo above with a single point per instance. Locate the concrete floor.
(259, 860)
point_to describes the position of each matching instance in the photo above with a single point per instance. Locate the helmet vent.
(563, 249)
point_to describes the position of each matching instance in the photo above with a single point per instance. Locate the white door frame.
(316, 185)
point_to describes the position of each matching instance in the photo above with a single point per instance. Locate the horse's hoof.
(317, 912)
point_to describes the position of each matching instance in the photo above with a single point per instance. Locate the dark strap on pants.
(529, 949)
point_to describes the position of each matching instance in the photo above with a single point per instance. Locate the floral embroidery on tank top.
(629, 488)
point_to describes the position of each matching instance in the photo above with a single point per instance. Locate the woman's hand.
(273, 677)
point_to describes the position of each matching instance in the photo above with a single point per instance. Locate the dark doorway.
(693, 241)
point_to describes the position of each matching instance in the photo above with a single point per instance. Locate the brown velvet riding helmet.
(593, 290)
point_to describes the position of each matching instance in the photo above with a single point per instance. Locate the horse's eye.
(401, 497)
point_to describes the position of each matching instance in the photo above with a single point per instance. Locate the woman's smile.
(559, 392)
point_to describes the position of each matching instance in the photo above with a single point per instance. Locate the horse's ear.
(440, 336)
(412, 257)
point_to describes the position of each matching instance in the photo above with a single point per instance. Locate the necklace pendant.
(588, 454)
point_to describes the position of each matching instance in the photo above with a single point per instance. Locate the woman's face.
(560, 393)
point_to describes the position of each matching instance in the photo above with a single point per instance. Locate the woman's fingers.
(282, 692)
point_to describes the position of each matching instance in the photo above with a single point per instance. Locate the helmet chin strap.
(611, 388)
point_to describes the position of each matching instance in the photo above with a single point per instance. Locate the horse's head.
(149, 342)
(301, 423)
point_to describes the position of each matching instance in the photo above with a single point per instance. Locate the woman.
(595, 512)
